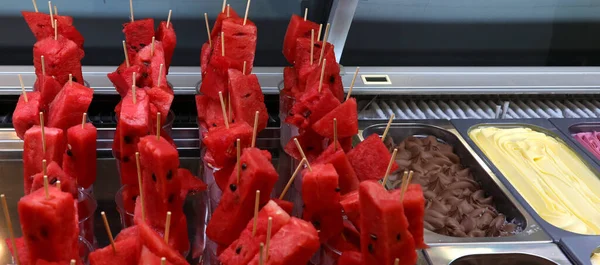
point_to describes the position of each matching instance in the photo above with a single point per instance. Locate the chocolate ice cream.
(456, 204)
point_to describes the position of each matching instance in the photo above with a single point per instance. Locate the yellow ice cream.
(547, 173)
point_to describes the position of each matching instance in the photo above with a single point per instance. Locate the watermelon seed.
(153, 177)
(332, 79)
(142, 45)
(169, 175)
(146, 63)
(214, 125)
(74, 79)
(373, 236)
(337, 189)
(127, 139)
(371, 248)
(69, 153)
(44, 232)
(398, 237)
(238, 250)
(145, 75)
(134, 198)
(233, 187)
(53, 181)
(317, 225)
(247, 95)
(244, 166)
(171, 198)
(125, 159)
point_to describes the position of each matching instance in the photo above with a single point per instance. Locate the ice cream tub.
(582, 250)
(583, 133)
(474, 198)
(497, 254)
(558, 186)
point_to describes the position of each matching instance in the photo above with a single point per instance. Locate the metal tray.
(572, 126)
(530, 254)
(579, 249)
(505, 203)
(541, 125)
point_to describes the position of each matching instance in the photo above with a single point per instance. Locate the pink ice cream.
(591, 141)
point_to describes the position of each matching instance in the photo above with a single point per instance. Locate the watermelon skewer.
(11, 231)
(389, 168)
(292, 178)
(302, 154)
(108, 232)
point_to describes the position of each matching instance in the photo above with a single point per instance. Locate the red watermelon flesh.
(40, 217)
(370, 159)
(351, 234)
(321, 195)
(347, 121)
(178, 237)
(133, 121)
(205, 57)
(311, 107)
(130, 194)
(155, 243)
(312, 144)
(167, 36)
(346, 143)
(298, 28)
(189, 182)
(160, 101)
(242, 250)
(33, 153)
(383, 227)
(69, 105)
(215, 77)
(128, 253)
(237, 202)
(414, 209)
(152, 61)
(79, 160)
(217, 28)
(240, 43)
(222, 175)
(221, 142)
(350, 205)
(303, 54)
(247, 98)
(290, 78)
(131, 232)
(48, 87)
(122, 78)
(138, 34)
(294, 244)
(39, 23)
(210, 113)
(337, 158)
(54, 173)
(26, 114)
(287, 206)
(61, 57)
(331, 78)
(148, 258)
(350, 258)
(22, 250)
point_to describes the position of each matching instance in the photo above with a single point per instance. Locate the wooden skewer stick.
(305, 13)
(108, 232)
(229, 105)
(55, 11)
(312, 45)
(324, 45)
(352, 84)
(302, 154)
(46, 187)
(133, 77)
(335, 139)
(125, 52)
(405, 183)
(255, 129)
(261, 258)
(269, 227)
(244, 68)
(73, 262)
(289, 184)
(387, 128)
(43, 66)
(23, 89)
(397, 261)
(163, 261)
(319, 35)
(36, 10)
(158, 125)
(208, 30)
(11, 232)
(222, 44)
(225, 119)
(255, 221)
(160, 69)
(134, 94)
(167, 227)
(389, 168)
(152, 46)
(322, 74)
(224, 4)
(83, 120)
(44, 167)
(70, 79)
(58, 184)
(55, 29)
(51, 15)
(228, 8)
(131, 10)
(43, 132)
(238, 165)
(246, 15)
(139, 175)
(169, 18)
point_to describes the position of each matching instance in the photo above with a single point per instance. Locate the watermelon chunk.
(131, 232)
(287, 206)
(311, 143)
(290, 78)
(215, 77)
(303, 63)
(414, 209)
(205, 57)
(294, 244)
(155, 243)
(311, 107)
(167, 36)
(22, 250)
(335, 156)
(237, 202)
(133, 122)
(347, 121)
(138, 34)
(351, 207)
(128, 252)
(209, 111)
(152, 61)
(350, 258)
(370, 159)
(26, 114)
(122, 78)
(221, 142)
(331, 78)
(346, 143)
(160, 101)
(69, 105)
(222, 175)
(79, 160)
(61, 57)
(242, 250)
(247, 98)
(298, 28)
(48, 88)
(240, 43)
(217, 28)
(189, 182)
(321, 195)
(33, 153)
(39, 23)
(54, 173)
(383, 227)
(40, 217)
